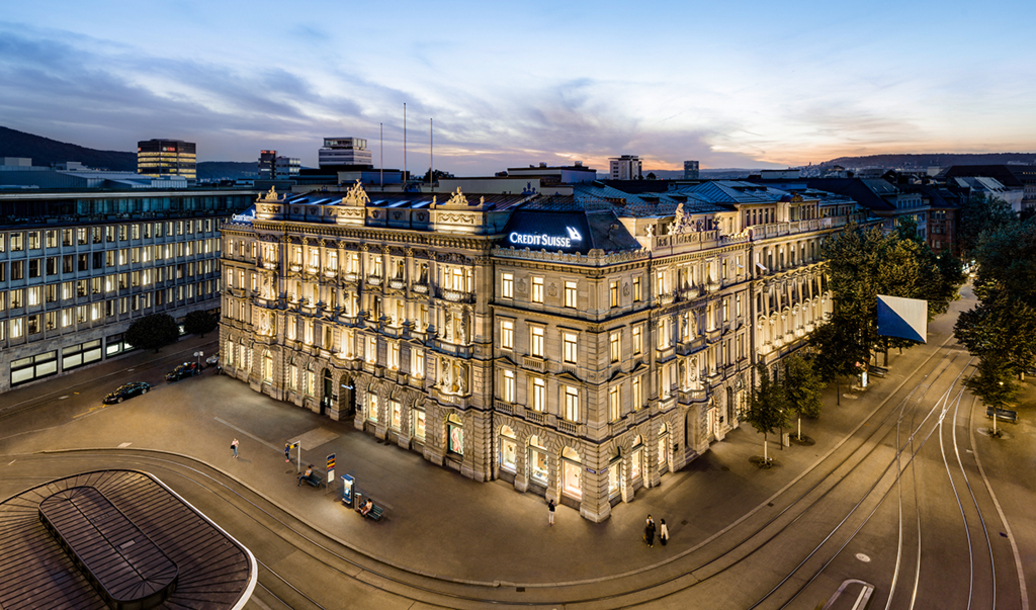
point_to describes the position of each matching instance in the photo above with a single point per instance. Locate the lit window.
(537, 290)
(510, 386)
(539, 394)
(570, 294)
(417, 363)
(571, 403)
(615, 345)
(395, 414)
(614, 292)
(638, 393)
(507, 286)
(638, 339)
(637, 295)
(571, 342)
(536, 333)
(372, 407)
(614, 404)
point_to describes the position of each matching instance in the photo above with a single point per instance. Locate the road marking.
(11, 462)
(124, 445)
(862, 557)
(63, 397)
(89, 411)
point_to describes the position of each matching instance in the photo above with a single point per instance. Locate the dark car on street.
(186, 369)
(128, 390)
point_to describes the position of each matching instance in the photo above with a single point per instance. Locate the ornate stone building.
(579, 347)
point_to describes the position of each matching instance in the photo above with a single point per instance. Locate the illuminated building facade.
(344, 152)
(579, 347)
(167, 157)
(78, 267)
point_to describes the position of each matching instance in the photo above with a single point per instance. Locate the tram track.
(723, 551)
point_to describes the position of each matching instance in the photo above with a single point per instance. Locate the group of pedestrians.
(649, 531)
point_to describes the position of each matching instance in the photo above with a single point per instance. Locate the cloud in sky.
(751, 86)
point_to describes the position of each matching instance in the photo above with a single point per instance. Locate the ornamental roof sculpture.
(271, 196)
(356, 196)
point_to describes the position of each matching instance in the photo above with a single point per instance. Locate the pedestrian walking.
(550, 512)
(649, 531)
(287, 452)
(233, 446)
(663, 532)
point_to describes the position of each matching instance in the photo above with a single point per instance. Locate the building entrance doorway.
(327, 394)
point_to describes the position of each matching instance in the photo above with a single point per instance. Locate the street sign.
(347, 489)
(330, 468)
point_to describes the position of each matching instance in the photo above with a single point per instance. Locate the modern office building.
(77, 267)
(579, 347)
(167, 157)
(273, 167)
(339, 152)
(626, 167)
(690, 170)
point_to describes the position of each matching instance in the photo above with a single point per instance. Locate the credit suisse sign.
(546, 240)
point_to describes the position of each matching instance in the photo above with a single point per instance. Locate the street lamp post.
(996, 433)
(198, 357)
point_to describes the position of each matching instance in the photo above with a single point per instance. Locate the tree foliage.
(153, 332)
(199, 323)
(993, 382)
(863, 263)
(1001, 329)
(980, 214)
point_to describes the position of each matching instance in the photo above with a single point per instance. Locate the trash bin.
(787, 439)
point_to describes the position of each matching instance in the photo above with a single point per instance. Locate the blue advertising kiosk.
(347, 489)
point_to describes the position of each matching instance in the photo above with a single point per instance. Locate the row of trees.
(863, 263)
(1001, 329)
(159, 330)
(793, 389)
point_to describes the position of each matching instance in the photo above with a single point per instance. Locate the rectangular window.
(638, 339)
(536, 339)
(395, 414)
(417, 363)
(615, 346)
(393, 355)
(614, 293)
(614, 404)
(637, 295)
(507, 334)
(638, 393)
(419, 426)
(372, 407)
(571, 403)
(662, 339)
(52, 239)
(570, 294)
(372, 350)
(510, 387)
(507, 286)
(17, 245)
(571, 347)
(34, 240)
(539, 394)
(537, 290)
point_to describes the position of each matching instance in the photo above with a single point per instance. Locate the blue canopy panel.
(903, 318)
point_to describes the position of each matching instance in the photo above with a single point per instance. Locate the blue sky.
(734, 84)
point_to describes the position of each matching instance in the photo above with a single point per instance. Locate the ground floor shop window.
(395, 414)
(372, 407)
(663, 444)
(537, 461)
(572, 472)
(455, 433)
(508, 449)
(419, 426)
(637, 459)
(78, 355)
(34, 367)
(267, 367)
(614, 474)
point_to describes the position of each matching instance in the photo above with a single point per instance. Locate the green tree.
(767, 407)
(803, 385)
(993, 382)
(153, 332)
(979, 214)
(199, 323)
(1002, 327)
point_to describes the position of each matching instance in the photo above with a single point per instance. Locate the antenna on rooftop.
(381, 128)
(431, 153)
(406, 176)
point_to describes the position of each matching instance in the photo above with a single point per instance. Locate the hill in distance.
(44, 151)
(933, 160)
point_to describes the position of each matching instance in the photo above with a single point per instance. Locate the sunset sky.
(732, 84)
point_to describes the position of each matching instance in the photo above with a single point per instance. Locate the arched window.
(537, 460)
(508, 449)
(571, 473)
(455, 434)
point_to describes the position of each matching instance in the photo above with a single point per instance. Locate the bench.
(375, 513)
(878, 371)
(1003, 415)
(314, 479)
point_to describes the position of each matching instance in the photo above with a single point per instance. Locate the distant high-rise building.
(167, 158)
(272, 167)
(626, 167)
(345, 151)
(690, 170)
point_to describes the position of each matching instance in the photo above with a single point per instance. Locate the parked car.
(128, 390)
(186, 369)
(212, 360)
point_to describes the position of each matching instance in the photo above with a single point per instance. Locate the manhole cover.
(863, 558)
